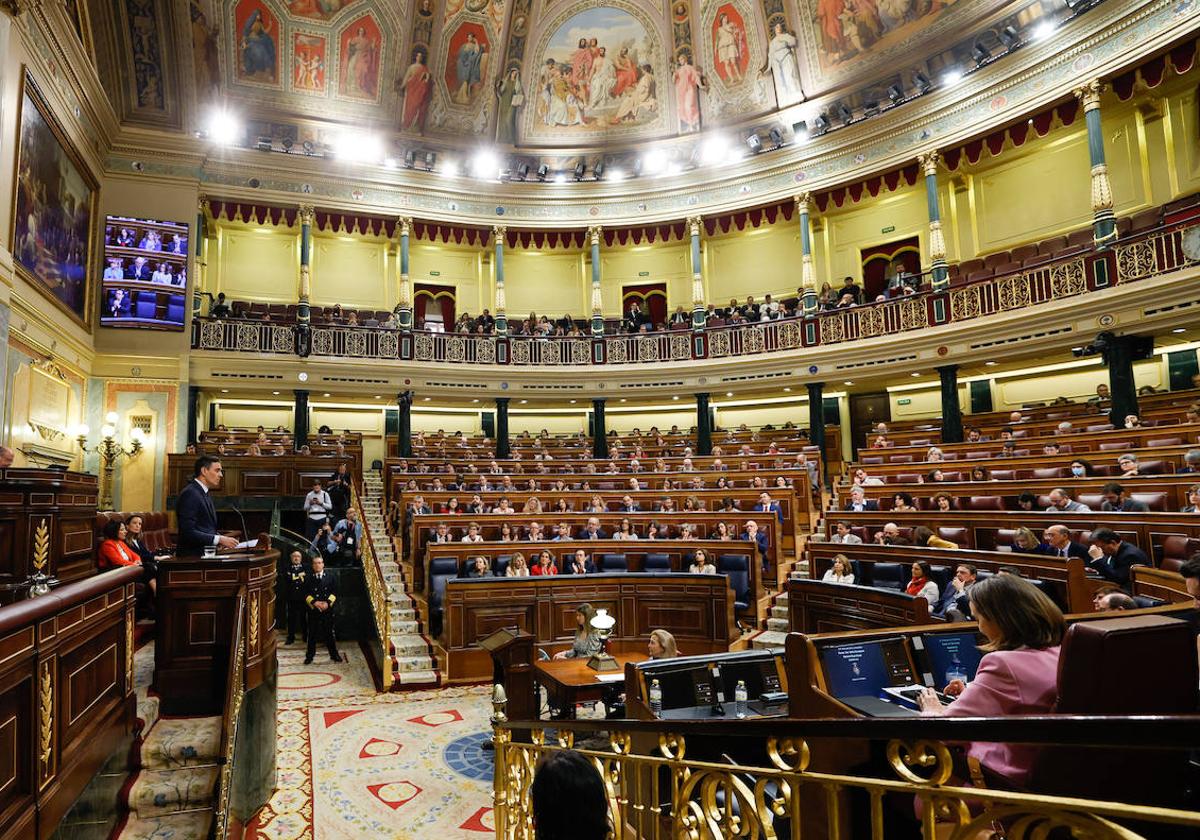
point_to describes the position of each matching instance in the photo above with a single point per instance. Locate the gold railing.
(656, 790)
(377, 594)
(234, 694)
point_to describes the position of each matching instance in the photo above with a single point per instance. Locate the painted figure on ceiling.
(512, 97)
(604, 79)
(468, 68)
(258, 48)
(417, 86)
(361, 73)
(688, 82)
(781, 58)
(639, 99)
(626, 72)
(581, 66)
(730, 48)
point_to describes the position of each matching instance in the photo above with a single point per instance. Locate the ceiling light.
(430, 161)
(378, 396)
(788, 389)
(325, 395)
(981, 54)
(276, 393)
(729, 393)
(675, 397)
(427, 399)
(580, 168)
(673, 168)
(542, 171)
(754, 142)
(820, 123)
(916, 373)
(560, 178)
(574, 401)
(800, 131)
(358, 147)
(848, 382)
(991, 363)
(776, 138)
(449, 168)
(410, 159)
(623, 399)
(896, 94)
(475, 400)
(485, 164)
(921, 83)
(224, 390)
(523, 171)
(389, 162)
(287, 143)
(714, 149)
(523, 402)
(1010, 38)
(952, 77)
(224, 128)
(844, 113)
(616, 175)
(654, 162)
(1179, 330)
(598, 170)
(263, 144)
(735, 154)
(1043, 30)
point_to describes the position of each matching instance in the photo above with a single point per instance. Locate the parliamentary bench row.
(1159, 493)
(698, 609)
(289, 476)
(1166, 538)
(251, 435)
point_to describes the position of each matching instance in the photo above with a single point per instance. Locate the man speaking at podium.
(195, 513)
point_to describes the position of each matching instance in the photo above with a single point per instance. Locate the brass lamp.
(110, 452)
(602, 623)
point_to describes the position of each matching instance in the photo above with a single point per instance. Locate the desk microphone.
(245, 532)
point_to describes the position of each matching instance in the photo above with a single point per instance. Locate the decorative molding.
(1089, 94)
(929, 161)
(46, 715)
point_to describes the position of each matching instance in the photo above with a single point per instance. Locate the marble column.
(404, 303)
(198, 246)
(952, 427)
(597, 302)
(703, 426)
(1104, 223)
(502, 449)
(699, 306)
(1119, 356)
(808, 281)
(498, 232)
(303, 311)
(599, 430)
(300, 418)
(940, 274)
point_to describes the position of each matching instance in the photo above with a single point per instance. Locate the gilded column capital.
(803, 203)
(594, 232)
(694, 223)
(203, 205)
(929, 161)
(498, 231)
(307, 214)
(404, 225)
(13, 7)
(1089, 94)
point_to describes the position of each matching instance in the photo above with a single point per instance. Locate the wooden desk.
(571, 681)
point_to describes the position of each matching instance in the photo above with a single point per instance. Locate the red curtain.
(434, 303)
(651, 297)
(876, 259)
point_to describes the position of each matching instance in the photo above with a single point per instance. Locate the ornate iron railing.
(655, 789)
(234, 694)
(377, 587)
(1136, 258)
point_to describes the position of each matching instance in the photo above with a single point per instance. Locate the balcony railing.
(1136, 258)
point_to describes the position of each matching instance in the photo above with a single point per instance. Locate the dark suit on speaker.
(197, 519)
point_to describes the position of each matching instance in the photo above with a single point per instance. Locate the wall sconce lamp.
(110, 452)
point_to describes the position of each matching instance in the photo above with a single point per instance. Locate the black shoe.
(308, 661)
(290, 642)
(335, 659)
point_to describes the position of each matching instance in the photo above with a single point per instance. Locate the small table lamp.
(602, 623)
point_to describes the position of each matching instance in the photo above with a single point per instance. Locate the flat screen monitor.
(144, 284)
(760, 673)
(939, 654)
(864, 669)
(683, 685)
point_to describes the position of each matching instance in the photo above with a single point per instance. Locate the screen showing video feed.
(145, 274)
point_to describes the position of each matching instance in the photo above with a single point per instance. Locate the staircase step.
(413, 663)
(777, 625)
(156, 792)
(188, 825)
(147, 711)
(410, 679)
(182, 742)
(778, 611)
(410, 646)
(768, 639)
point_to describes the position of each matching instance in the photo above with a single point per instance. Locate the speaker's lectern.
(511, 649)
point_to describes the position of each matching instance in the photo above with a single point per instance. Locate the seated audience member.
(924, 536)
(1026, 501)
(729, 505)
(1081, 468)
(974, 435)
(1128, 465)
(1064, 428)
(980, 474)
(863, 479)
(1191, 462)
(628, 505)
(661, 645)
(545, 565)
(562, 533)
(1193, 498)
(841, 571)
(517, 566)
(586, 642)
(1008, 449)
(759, 538)
(767, 505)
(1102, 394)
(701, 564)
(934, 455)
(922, 584)
(954, 603)
(935, 477)
(534, 532)
(890, 535)
(842, 534)
(903, 502)
(1116, 501)
(135, 540)
(568, 798)
(625, 531)
(593, 531)
(943, 502)
(1061, 502)
(859, 502)
(1051, 449)
(114, 550)
(1058, 543)
(1112, 557)
(581, 564)
(504, 506)
(1132, 421)
(1017, 675)
(480, 567)
(1025, 541)
(1115, 602)
(472, 535)
(1191, 579)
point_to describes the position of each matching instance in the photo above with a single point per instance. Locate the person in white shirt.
(842, 534)
(317, 506)
(701, 565)
(862, 479)
(842, 571)
(472, 535)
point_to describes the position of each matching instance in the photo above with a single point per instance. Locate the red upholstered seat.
(900, 459)
(1024, 252)
(1004, 475)
(1099, 427)
(1050, 472)
(1154, 501)
(1115, 445)
(985, 503)
(1175, 549)
(999, 258)
(957, 535)
(1172, 441)
(871, 459)
(1092, 500)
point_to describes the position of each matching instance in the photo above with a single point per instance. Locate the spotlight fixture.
(598, 170)
(820, 123)
(654, 162)
(1079, 6)
(523, 170)
(754, 142)
(844, 114)
(714, 149)
(896, 94)
(358, 147)
(430, 161)
(800, 131)
(776, 138)
(410, 159)
(309, 147)
(485, 164)
(1043, 30)
(952, 77)
(1010, 39)
(542, 171)
(580, 168)
(449, 168)
(871, 108)
(224, 128)
(616, 175)
(921, 83)
(263, 144)
(287, 143)
(981, 54)
(560, 178)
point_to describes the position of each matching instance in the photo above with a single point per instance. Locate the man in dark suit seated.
(593, 531)
(195, 512)
(1057, 542)
(955, 602)
(859, 501)
(766, 505)
(759, 538)
(1112, 557)
(628, 505)
(1116, 501)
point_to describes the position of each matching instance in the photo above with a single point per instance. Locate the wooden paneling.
(61, 503)
(818, 607)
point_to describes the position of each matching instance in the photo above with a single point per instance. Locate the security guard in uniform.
(320, 594)
(296, 578)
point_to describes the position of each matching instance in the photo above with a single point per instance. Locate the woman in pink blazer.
(1019, 674)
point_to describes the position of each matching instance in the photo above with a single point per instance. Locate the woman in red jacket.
(545, 564)
(113, 551)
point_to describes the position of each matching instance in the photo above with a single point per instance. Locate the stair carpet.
(413, 663)
(777, 618)
(174, 767)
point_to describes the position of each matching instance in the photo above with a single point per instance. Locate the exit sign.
(435, 274)
(889, 229)
(905, 401)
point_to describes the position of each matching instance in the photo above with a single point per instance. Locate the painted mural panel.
(317, 9)
(731, 49)
(308, 63)
(417, 88)
(258, 42)
(361, 52)
(598, 71)
(468, 55)
(783, 65)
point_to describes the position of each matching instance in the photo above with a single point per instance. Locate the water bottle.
(739, 699)
(655, 699)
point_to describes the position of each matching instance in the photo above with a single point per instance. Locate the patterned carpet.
(354, 764)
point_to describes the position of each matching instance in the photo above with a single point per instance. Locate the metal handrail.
(376, 593)
(234, 694)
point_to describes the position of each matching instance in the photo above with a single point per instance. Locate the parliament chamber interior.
(590, 419)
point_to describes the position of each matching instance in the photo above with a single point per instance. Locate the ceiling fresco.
(540, 74)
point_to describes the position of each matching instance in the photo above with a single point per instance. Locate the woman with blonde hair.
(517, 566)
(532, 505)
(842, 571)
(1025, 541)
(661, 645)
